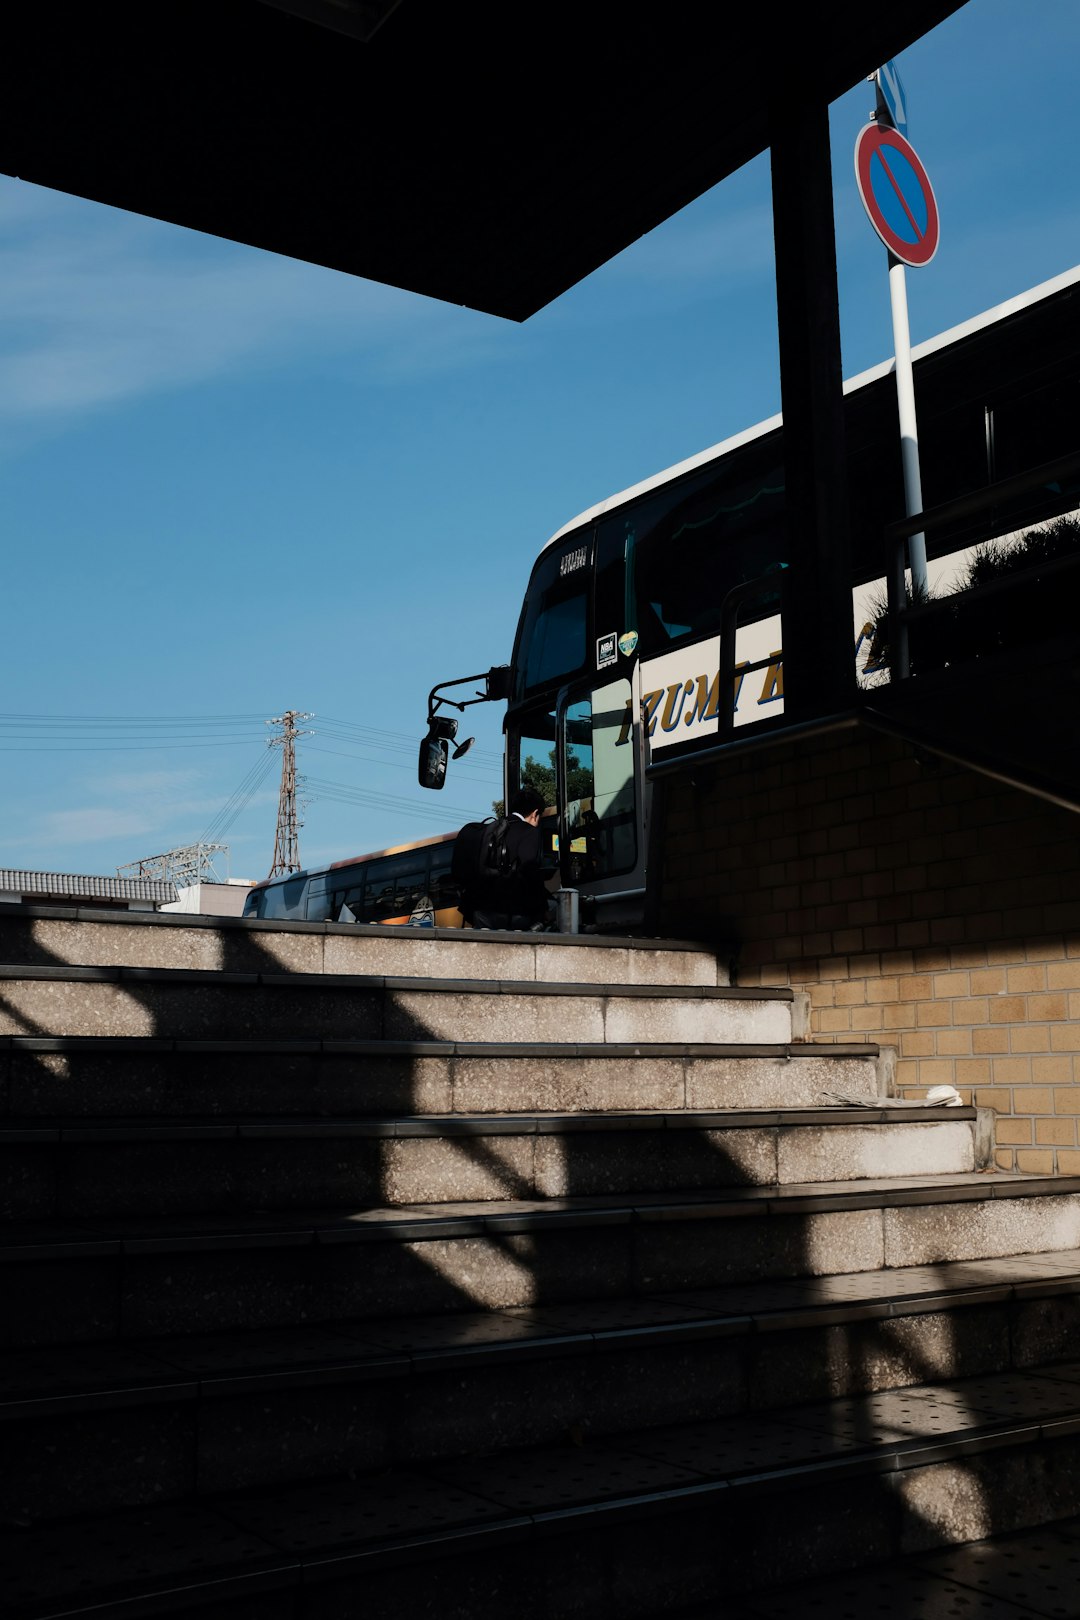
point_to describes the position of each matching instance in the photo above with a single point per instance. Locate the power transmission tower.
(190, 863)
(286, 838)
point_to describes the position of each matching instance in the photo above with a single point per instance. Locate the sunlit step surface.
(88, 1167)
(194, 1003)
(54, 935)
(97, 1076)
(95, 1279)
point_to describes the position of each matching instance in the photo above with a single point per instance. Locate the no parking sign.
(897, 194)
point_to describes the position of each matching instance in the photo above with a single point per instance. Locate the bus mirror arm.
(496, 687)
(442, 729)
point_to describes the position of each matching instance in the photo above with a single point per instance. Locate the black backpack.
(480, 851)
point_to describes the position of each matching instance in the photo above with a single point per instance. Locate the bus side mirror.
(497, 683)
(434, 753)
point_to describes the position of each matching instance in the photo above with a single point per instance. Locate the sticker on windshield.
(627, 642)
(605, 651)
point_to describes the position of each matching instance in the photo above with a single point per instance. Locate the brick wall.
(924, 907)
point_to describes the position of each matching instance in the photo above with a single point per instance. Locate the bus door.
(532, 761)
(601, 826)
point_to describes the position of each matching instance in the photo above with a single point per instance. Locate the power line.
(22, 732)
(72, 728)
(366, 798)
(123, 748)
(391, 764)
(241, 797)
(72, 733)
(23, 714)
(345, 729)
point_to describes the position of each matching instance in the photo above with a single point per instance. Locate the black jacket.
(520, 894)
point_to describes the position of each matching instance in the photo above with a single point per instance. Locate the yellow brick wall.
(922, 907)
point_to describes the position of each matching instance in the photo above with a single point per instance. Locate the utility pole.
(286, 838)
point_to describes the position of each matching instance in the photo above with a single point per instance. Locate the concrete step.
(98, 1279)
(72, 1168)
(88, 1427)
(364, 1321)
(194, 1003)
(89, 938)
(126, 1075)
(1031, 1572)
(650, 1522)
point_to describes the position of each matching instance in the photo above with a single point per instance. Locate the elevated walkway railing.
(993, 598)
(992, 499)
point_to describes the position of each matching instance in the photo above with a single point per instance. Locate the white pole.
(909, 429)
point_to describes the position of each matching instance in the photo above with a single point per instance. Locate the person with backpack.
(503, 886)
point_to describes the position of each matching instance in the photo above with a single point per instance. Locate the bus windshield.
(553, 632)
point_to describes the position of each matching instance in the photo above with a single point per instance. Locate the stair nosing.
(375, 1046)
(81, 1129)
(434, 1220)
(172, 1382)
(380, 931)
(382, 983)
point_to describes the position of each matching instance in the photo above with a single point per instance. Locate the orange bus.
(406, 883)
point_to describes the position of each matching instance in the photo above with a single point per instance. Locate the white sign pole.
(909, 427)
(891, 109)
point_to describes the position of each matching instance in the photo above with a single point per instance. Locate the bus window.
(285, 901)
(386, 888)
(554, 628)
(532, 756)
(345, 886)
(535, 756)
(444, 890)
(601, 802)
(1026, 429)
(689, 545)
(382, 886)
(614, 603)
(319, 899)
(394, 890)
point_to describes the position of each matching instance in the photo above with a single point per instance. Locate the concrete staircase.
(366, 1271)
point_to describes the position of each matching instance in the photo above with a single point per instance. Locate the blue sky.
(233, 484)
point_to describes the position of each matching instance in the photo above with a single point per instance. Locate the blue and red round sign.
(897, 194)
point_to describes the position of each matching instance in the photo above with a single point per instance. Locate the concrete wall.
(920, 906)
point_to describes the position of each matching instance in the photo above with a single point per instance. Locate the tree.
(543, 778)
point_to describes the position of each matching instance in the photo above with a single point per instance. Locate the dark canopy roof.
(490, 154)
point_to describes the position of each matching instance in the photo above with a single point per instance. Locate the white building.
(211, 899)
(75, 889)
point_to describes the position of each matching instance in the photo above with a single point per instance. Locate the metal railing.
(900, 611)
